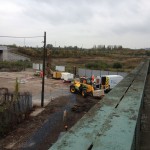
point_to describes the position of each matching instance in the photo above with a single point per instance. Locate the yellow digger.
(86, 87)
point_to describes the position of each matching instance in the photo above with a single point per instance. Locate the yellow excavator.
(86, 87)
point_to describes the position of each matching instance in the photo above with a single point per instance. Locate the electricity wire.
(21, 37)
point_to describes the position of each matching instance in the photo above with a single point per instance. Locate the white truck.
(108, 82)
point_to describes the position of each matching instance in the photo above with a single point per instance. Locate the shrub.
(92, 65)
(148, 53)
(117, 65)
(15, 65)
(97, 65)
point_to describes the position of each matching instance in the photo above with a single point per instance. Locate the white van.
(108, 82)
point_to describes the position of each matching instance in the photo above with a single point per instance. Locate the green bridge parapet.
(114, 122)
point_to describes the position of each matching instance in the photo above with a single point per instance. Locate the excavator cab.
(86, 80)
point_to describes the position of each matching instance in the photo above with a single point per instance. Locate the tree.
(49, 46)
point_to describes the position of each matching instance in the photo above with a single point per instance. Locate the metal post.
(44, 53)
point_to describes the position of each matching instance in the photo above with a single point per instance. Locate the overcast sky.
(81, 23)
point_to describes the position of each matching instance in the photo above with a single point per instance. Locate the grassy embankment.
(113, 60)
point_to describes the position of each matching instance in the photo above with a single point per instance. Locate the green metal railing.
(113, 123)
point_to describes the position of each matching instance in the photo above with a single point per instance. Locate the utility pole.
(43, 78)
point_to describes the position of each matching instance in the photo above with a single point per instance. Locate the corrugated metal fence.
(89, 73)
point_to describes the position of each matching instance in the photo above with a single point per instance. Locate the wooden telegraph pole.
(43, 77)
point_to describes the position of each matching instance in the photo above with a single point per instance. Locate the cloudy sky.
(81, 23)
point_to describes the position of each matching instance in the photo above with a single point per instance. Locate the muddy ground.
(45, 127)
(21, 135)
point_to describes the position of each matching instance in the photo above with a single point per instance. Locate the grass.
(96, 59)
(127, 62)
(15, 65)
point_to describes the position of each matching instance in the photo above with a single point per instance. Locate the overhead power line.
(21, 36)
(44, 55)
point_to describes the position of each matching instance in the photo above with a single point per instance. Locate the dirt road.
(53, 88)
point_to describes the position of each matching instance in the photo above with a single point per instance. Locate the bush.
(91, 65)
(15, 65)
(97, 65)
(117, 65)
(148, 53)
